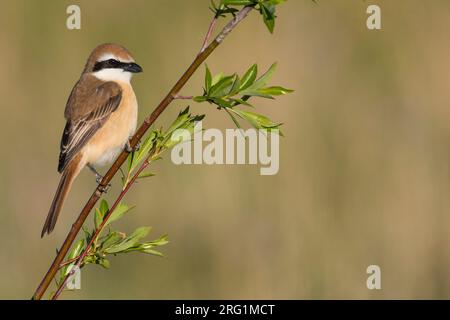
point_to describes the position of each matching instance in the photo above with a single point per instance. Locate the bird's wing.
(89, 106)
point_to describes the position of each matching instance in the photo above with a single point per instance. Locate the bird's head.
(112, 62)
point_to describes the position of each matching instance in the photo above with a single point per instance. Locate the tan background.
(364, 176)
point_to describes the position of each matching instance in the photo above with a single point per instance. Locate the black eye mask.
(115, 64)
(109, 64)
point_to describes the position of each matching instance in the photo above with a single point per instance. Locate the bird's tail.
(68, 175)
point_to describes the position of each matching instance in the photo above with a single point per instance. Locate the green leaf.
(129, 241)
(200, 98)
(98, 218)
(75, 252)
(163, 240)
(223, 10)
(262, 81)
(87, 234)
(130, 160)
(216, 78)
(179, 122)
(143, 151)
(208, 80)
(90, 259)
(100, 213)
(145, 175)
(233, 118)
(147, 246)
(111, 239)
(153, 252)
(237, 2)
(184, 121)
(249, 77)
(275, 91)
(175, 138)
(238, 101)
(222, 87)
(258, 121)
(118, 213)
(268, 13)
(104, 207)
(221, 102)
(104, 263)
(275, 2)
(235, 87)
(257, 93)
(139, 233)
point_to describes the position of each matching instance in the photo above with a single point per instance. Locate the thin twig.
(180, 97)
(208, 34)
(65, 263)
(47, 279)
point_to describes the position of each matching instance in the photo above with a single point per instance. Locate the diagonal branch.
(46, 281)
(99, 229)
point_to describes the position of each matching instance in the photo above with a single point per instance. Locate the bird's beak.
(133, 67)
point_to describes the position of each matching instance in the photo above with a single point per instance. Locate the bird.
(101, 115)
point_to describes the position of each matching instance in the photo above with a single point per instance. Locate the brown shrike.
(101, 115)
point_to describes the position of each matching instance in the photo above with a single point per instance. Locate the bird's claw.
(130, 149)
(98, 179)
(104, 189)
(137, 147)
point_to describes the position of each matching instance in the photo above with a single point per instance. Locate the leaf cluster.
(109, 241)
(156, 142)
(265, 7)
(229, 91)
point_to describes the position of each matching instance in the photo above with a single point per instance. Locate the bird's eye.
(113, 62)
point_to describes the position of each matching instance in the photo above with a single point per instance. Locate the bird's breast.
(110, 139)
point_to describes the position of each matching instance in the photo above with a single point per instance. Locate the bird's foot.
(104, 189)
(98, 179)
(98, 176)
(130, 149)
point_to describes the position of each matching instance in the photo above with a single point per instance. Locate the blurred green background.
(364, 170)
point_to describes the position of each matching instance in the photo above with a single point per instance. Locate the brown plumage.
(68, 175)
(90, 104)
(101, 115)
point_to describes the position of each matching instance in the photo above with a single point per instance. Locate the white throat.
(118, 75)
